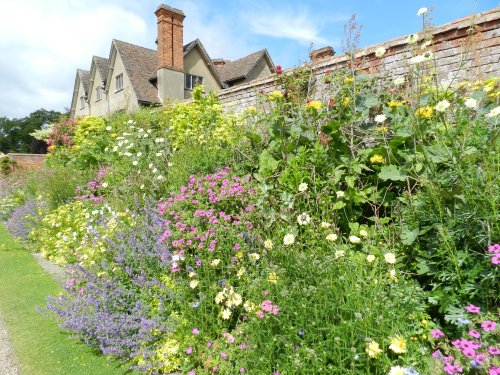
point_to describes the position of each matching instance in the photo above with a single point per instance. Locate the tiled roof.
(239, 69)
(84, 78)
(140, 64)
(102, 66)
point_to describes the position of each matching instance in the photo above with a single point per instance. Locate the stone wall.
(467, 47)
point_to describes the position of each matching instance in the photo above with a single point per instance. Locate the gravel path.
(8, 364)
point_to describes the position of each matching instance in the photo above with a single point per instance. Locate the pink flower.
(488, 325)
(70, 282)
(493, 350)
(469, 352)
(267, 306)
(242, 370)
(495, 248)
(192, 372)
(260, 314)
(275, 310)
(496, 259)
(223, 355)
(195, 331)
(494, 370)
(473, 309)
(279, 69)
(452, 369)
(474, 333)
(437, 333)
(265, 292)
(189, 350)
(437, 353)
(209, 344)
(480, 358)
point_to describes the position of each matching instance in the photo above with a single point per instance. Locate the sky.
(43, 42)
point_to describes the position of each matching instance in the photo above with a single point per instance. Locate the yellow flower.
(239, 254)
(316, 104)
(194, 283)
(370, 258)
(398, 344)
(346, 100)
(348, 80)
(275, 95)
(394, 103)
(373, 349)
(425, 112)
(390, 258)
(382, 129)
(272, 278)
(377, 159)
(268, 244)
(241, 272)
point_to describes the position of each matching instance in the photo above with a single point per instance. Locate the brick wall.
(26, 161)
(459, 50)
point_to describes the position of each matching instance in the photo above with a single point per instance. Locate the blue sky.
(42, 43)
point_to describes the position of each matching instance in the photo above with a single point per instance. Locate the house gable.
(97, 96)
(79, 104)
(256, 65)
(197, 63)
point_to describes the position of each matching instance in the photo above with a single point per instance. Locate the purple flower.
(488, 325)
(473, 309)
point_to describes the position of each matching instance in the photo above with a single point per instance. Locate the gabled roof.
(102, 65)
(84, 76)
(139, 63)
(241, 68)
(188, 48)
(197, 43)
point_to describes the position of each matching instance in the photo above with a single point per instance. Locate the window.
(98, 93)
(191, 81)
(119, 82)
(82, 102)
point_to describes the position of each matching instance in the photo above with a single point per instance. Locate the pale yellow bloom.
(390, 258)
(331, 237)
(398, 344)
(226, 314)
(272, 278)
(373, 349)
(268, 244)
(194, 283)
(370, 258)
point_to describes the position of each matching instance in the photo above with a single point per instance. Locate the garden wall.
(467, 47)
(28, 160)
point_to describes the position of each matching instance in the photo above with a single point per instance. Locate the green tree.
(15, 133)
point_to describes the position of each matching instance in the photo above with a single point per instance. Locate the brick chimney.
(170, 52)
(321, 54)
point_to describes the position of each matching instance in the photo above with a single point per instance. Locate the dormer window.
(119, 82)
(191, 81)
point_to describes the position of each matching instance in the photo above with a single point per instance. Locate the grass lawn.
(40, 346)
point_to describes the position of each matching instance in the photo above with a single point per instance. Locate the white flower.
(303, 219)
(392, 273)
(214, 262)
(303, 187)
(390, 258)
(226, 314)
(354, 239)
(363, 233)
(130, 122)
(442, 106)
(494, 112)
(135, 162)
(340, 194)
(422, 11)
(139, 154)
(380, 51)
(155, 170)
(331, 237)
(471, 103)
(289, 239)
(169, 164)
(399, 81)
(339, 254)
(325, 225)
(254, 257)
(104, 185)
(370, 258)
(417, 59)
(160, 177)
(219, 297)
(159, 153)
(108, 128)
(380, 118)
(413, 38)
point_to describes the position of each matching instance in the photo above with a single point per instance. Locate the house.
(134, 76)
